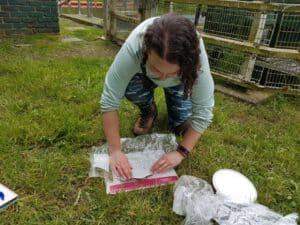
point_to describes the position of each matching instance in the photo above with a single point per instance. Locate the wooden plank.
(250, 48)
(255, 5)
(251, 96)
(83, 19)
(247, 67)
(106, 18)
(290, 67)
(124, 18)
(257, 27)
(127, 13)
(254, 26)
(254, 86)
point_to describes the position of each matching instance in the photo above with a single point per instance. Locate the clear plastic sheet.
(195, 199)
(165, 142)
(142, 152)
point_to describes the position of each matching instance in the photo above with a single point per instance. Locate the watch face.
(234, 186)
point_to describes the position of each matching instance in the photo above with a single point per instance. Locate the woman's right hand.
(120, 164)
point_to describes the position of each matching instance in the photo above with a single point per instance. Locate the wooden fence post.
(106, 19)
(78, 7)
(247, 67)
(113, 21)
(257, 28)
(171, 10)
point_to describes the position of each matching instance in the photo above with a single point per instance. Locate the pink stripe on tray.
(132, 185)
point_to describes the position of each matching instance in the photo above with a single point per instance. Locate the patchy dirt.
(97, 51)
(241, 119)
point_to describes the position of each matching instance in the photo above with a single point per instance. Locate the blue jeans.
(140, 91)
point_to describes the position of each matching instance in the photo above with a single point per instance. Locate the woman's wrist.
(114, 150)
(183, 151)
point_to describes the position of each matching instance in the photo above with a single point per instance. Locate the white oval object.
(235, 186)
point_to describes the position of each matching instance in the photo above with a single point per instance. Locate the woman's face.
(161, 67)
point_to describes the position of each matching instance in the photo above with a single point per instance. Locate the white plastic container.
(234, 186)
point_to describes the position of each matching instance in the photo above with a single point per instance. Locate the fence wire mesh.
(282, 30)
(289, 31)
(228, 22)
(285, 1)
(225, 60)
(268, 29)
(268, 75)
(276, 29)
(268, 72)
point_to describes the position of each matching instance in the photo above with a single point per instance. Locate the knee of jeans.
(134, 90)
(179, 115)
(180, 129)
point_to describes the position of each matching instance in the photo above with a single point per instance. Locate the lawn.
(50, 119)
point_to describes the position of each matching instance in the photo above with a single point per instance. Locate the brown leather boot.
(145, 122)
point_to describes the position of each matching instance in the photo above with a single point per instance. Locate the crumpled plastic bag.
(195, 199)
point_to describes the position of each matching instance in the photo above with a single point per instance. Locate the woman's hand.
(120, 164)
(167, 161)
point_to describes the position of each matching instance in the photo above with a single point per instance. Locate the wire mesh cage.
(238, 26)
(276, 73)
(268, 29)
(282, 30)
(289, 31)
(226, 60)
(266, 72)
(285, 1)
(228, 22)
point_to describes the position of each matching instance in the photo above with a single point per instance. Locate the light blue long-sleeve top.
(128, 62)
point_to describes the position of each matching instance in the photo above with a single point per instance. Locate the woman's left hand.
(167, 161)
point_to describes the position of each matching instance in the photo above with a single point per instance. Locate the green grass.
(50, 118)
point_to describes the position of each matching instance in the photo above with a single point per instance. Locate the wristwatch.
(182, 150)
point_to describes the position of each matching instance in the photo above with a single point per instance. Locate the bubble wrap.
(195, 199)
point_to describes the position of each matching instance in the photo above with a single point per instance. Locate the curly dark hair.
(174, 39)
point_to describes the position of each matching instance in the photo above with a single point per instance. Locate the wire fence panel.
(282, 30)
(235, 27)
(267, 72)
(285, 1)
(277, 73)
(228, 22)
(264, 76)
(289, 31)
(268, 29)
(225, 60)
